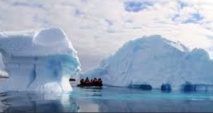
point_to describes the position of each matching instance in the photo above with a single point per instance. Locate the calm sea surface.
(107, 99)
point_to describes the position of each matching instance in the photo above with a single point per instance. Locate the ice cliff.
(42, 60)
(155, 60)
(3, 73)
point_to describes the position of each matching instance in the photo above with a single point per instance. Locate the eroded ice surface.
(42, 60)
(154, 60)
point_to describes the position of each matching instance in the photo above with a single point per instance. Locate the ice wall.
(3, 73)
(154, 60)
(40, 61)
(1, 62)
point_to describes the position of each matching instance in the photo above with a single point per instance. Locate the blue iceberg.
(42, 60)
(154, 60)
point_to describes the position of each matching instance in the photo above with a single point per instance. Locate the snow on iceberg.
(155, 60)
(41, 60)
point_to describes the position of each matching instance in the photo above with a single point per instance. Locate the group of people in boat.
(92, 82)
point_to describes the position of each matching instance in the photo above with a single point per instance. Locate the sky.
(98, 28)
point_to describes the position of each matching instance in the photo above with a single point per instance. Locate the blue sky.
(97, 28)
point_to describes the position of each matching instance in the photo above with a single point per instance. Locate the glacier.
(154, 60)
(41, 60)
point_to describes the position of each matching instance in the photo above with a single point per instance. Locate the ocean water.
(107, 99)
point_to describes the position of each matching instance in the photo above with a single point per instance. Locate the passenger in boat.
(87, 79)
(99, 81)
(95, 82)
(87, 82)
(91, 81)
(82, 82)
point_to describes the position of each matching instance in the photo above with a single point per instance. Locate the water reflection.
(38, 102)
(132, 100)
(106, 100)
(153, 106)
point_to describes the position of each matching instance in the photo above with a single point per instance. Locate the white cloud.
(98, 28)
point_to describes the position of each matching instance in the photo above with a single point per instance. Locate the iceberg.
(155, 60)
(42, 60)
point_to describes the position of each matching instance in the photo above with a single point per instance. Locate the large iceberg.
(155, 60)
(41, 60)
